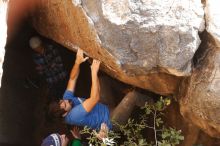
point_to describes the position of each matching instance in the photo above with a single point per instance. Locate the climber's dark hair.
(54, 110)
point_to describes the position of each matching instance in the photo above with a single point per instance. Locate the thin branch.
(155, 131)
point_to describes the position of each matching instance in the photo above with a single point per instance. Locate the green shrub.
(131, 134)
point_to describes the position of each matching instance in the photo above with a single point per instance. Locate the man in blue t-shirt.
(80, 111)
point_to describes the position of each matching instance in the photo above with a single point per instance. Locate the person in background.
(56, 139)
(49, 65)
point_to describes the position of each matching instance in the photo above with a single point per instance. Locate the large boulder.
(200, 93)
(148, 44)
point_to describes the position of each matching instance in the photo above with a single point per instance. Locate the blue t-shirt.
(80, 117)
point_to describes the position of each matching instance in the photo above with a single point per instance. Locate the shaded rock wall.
(200, 92)
(17, 102)
(193, 135)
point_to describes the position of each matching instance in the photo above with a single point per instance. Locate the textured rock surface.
(192, 134)
(199, 94)
(143, 43)
(145, 34)
(200, 100)
(213, 19)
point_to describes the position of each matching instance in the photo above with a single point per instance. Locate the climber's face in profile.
(65, 105)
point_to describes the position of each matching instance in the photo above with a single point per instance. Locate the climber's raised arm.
(75, 70)
(89, 103)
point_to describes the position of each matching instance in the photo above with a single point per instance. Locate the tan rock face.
(200, 93)
(140, 43)
(192, 134)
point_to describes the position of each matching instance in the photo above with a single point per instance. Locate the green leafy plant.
(131, 134)
(162, 136)
(170, 137)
